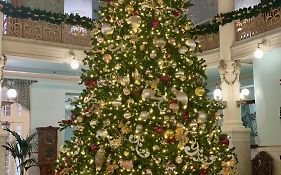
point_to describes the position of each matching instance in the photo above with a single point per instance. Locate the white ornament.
(102, 134)
(106, 29)
(144, 115)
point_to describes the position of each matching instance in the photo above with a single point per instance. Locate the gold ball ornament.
(129, 8)
(130, 101)
(106, 122)
(93, 123)
(117, 103)
(135, 21)
(172, 41)
(100, 39)
(125, 81)
(159, 42)
(148, 171)
(181, 75)
(156, 148)
(202, 117)
(106, 58)
(126, 153)
(106, 29)
(178, 159)
(191, 43)
(118, 66)
(169, 134)
(200, 91)
(127, 115)
(183, 50)
(126, 91)
(139, 128)
(153, 54)
(102, 134)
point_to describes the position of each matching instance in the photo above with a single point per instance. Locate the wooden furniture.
(262, 164)
(47, 149)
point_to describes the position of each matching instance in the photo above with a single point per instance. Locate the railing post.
(229, 70)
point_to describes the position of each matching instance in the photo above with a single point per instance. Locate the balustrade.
(260, 24)
(40, 30)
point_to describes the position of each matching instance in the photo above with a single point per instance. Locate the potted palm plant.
(21, 150)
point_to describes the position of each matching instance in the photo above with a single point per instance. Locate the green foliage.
(21, 149)
(74, 19)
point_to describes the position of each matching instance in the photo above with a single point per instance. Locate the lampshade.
(12, 93)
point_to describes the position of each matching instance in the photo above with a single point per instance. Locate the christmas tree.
(144, 109)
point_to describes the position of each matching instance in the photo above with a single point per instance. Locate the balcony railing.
(255, 26)
(40, 30)
(76, 35)
(209, 42)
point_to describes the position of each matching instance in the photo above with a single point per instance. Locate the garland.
(43, 15)
(74, 19)
(241, 14)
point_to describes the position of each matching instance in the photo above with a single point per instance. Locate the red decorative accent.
(95, 147)
(138, 91)
(159, 130)
(155, 24)
(135, 12)
(172, 101)
(203, 172)
(176, 12)
(185, 115)
(165, 79)
(108, 1)
(224, 139)
(171, 139)
(66, 122)
(90, 83)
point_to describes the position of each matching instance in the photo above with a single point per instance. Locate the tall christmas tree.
(145, 108)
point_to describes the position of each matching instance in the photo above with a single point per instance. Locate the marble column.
(229, 70)
(3, 141)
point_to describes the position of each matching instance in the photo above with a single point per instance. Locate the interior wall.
(268, 97)
(82, 7)
(245, 3)
(49, 5)
(48, 104)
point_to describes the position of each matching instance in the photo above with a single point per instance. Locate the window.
(7, 110)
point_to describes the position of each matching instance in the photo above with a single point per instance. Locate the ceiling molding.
(40, 50)
(30, 75)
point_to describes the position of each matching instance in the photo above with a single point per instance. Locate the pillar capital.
(229, 72)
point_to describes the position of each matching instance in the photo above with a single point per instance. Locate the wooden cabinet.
(47, 149)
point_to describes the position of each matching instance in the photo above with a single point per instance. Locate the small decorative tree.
(21, 149)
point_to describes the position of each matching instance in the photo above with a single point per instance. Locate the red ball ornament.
(74, 116)
(108, 1)
(95, 147)
(155, 24)
(224, 140)
(176, 12)
(203, 172)
(159, 130)
(185, 116)
(90, 83)
(165, 79)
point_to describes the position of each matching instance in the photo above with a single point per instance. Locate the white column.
(229, 70)
(2, 58)
(3, 141)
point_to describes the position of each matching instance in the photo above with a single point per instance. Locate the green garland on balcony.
(74, 19)
(43, 15)
(241, 14)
